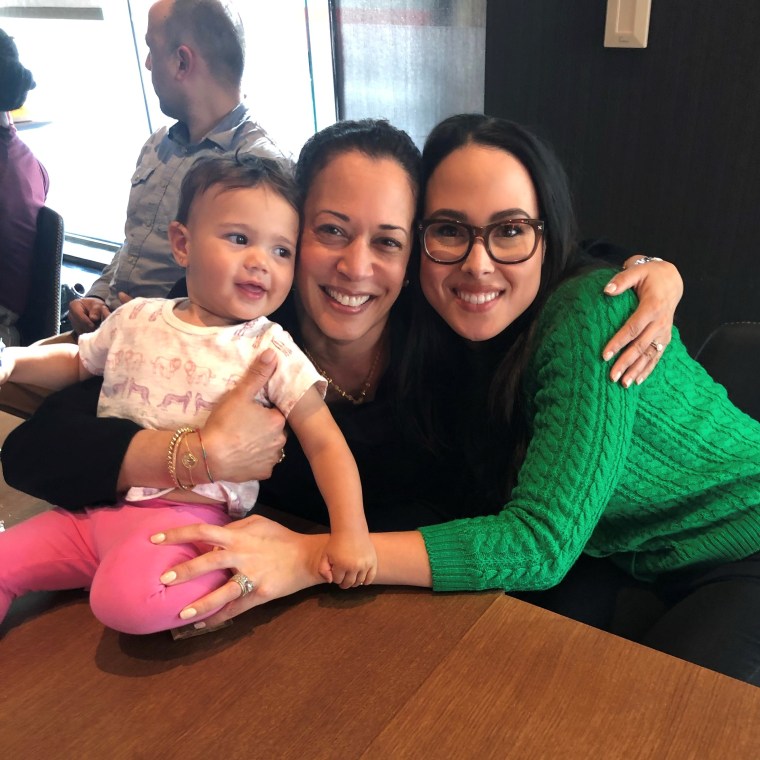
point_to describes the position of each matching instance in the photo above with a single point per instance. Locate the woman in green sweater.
(661, 480)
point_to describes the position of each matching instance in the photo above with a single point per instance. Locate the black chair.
(731, 354)
(42, 316)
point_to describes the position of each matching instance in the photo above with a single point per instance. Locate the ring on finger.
(659, 347)
(644, 260)
(245, 583)
(282, 456)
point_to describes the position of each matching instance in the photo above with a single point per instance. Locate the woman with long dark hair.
(657, 484)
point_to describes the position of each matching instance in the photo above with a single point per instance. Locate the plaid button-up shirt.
(144, 265)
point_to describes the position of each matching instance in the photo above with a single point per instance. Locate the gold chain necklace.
(356, 400)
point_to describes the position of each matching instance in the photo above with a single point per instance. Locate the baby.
(164, 364)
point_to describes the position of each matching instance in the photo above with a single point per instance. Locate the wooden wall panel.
(661, 144)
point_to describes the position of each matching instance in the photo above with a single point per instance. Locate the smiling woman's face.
(479, 298)
(355, 246)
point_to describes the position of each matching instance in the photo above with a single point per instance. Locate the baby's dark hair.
(234, 173)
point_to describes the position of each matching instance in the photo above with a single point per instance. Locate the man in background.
(196, 59)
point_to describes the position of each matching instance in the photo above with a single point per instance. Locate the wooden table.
(525, 683)
(376, 673)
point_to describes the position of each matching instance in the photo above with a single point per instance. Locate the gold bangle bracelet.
(171, 455)
(189, 460)
(205, 458)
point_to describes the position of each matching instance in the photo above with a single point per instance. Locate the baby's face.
(240, 256)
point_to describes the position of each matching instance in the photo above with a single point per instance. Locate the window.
(94, 105)
(413, 62)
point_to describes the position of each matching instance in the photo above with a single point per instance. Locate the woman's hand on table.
(646, 334)
(276, 560)
(243, 439)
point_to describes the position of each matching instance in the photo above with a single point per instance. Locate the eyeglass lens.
(508, 241)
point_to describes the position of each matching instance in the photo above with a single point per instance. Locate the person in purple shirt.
(23, 189)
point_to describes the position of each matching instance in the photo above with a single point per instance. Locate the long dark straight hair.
(446, 378)
(376, 139)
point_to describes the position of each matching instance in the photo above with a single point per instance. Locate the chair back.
(42, 316)
(731, 354)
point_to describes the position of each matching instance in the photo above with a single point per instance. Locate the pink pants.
(108, 549)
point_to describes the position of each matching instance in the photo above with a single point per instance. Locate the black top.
(67, 456)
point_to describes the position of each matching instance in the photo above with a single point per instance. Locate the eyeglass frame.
(482, 233)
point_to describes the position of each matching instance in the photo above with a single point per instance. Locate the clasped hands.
(278, 561)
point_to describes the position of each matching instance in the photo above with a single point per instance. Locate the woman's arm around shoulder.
(659, 287)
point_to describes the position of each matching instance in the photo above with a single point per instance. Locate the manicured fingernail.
(627, 382)
(607, 355)
(188, 612)
(158, 538)
(640, 380)
(199, 625)
(168, 577)
(616, 377)
(610, 287)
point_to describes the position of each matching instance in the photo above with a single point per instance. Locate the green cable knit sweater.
(658, 477)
